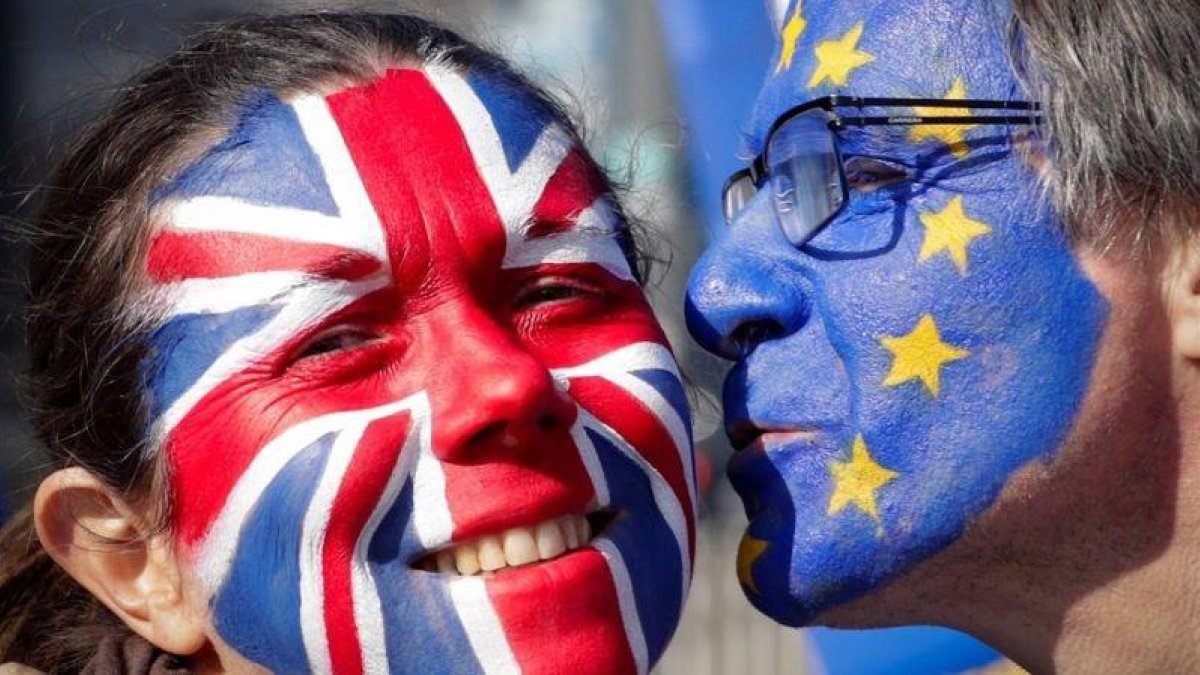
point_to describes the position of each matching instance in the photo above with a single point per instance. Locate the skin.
(1031, 494)
(466, 354)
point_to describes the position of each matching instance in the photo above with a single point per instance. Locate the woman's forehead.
(382, 168)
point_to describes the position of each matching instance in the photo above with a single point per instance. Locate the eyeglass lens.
(738, 192)
(805, 175)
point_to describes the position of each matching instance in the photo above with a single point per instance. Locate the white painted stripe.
(482, 625)
(368, 608)
(626, 600)
(432, 520)
(227, 215)
(341, 174)
(309, 304)
(591, 463)
(638, 356)
(664, 497)
(228, 294)
(617, 366)
(312, 548)
(215, 552)
(661, 408)
(591, 241)
(514, 194)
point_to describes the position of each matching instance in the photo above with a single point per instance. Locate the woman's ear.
(108, 547)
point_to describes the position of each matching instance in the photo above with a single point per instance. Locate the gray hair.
(1120, 80)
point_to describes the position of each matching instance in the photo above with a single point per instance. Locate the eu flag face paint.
(418, 413)
(883, 400)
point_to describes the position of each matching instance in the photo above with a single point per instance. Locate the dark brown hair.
(85, 338)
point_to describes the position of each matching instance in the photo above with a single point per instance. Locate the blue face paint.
(898, 391)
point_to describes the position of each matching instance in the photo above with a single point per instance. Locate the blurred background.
(661, 86)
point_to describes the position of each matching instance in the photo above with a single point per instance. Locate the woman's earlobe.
(109, 548)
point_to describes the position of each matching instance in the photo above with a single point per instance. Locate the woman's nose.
(740, 296)
(490, 393)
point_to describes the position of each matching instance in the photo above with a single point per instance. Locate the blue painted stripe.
(257, 610)
(517, 116)
(647, 544)
(424, 632)
(187, 346)
(265, 160)
(667, 384)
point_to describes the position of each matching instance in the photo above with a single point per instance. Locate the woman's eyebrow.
(347, 266)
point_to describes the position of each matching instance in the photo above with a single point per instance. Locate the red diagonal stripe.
(365, 481)
(175, 256)
(643, 430)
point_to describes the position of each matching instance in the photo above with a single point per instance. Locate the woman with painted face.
(340, 354)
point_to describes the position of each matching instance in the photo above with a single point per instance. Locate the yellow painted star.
(952, 231)
(954, 136)
(920, 355)
(749, 551)
(790, 34)
(857, 481)
(836, 59)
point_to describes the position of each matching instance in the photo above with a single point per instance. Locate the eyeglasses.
(802, 158)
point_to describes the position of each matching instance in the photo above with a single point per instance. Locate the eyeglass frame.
(757, 170)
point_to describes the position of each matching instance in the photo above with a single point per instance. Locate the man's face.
(882, 400)
(418, 414)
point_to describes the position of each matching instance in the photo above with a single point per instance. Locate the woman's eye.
(868, 173)
(549, 291)
(334, 340)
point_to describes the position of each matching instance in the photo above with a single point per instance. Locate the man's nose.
(740, 295)
(489, 393)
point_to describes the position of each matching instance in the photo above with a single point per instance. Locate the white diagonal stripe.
(627, 601)
(482, 625)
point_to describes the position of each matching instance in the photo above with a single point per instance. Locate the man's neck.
(1099, 580)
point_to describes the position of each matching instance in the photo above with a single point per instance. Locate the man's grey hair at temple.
(1121, 85)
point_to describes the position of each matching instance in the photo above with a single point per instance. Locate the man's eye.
(868, 173)
(336, 339)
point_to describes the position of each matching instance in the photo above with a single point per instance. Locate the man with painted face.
(961, 287)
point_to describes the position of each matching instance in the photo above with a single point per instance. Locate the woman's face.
(418, 413)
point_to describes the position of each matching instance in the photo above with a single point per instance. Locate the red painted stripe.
(575, 186)
(207, 460)
(563, 616)
(175, 256)
(643, 430)
(365, 481)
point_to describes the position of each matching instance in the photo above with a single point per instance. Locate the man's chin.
(770, 584)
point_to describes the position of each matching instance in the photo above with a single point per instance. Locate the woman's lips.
(516, 547)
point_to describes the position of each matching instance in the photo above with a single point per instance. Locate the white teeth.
(491, 554)
(568, 529)
(549, 540)
(467, 560)
(519, 546)
(515, 547)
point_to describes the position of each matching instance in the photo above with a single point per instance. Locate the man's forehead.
(901, 48)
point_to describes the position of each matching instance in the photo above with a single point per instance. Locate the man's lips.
(743, 435)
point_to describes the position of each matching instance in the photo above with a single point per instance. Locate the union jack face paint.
(399, 319)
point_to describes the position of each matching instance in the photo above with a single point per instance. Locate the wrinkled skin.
(884, 400)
